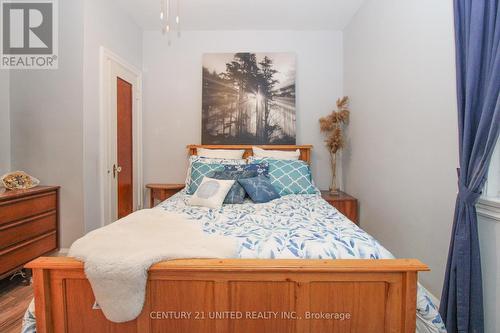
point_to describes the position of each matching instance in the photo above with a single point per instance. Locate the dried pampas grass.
(332, 126)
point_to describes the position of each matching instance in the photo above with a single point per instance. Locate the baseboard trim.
(63, 252)
(434, 299)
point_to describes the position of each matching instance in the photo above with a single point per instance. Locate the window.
(492, 187)
(489, 205)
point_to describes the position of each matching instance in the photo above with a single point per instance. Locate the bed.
(283, 279)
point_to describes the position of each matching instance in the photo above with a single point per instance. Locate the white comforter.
(118, 256)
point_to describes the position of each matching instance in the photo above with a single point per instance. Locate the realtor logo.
(28, 34)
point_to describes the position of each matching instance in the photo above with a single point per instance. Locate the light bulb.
(177, 19)
(161, 15)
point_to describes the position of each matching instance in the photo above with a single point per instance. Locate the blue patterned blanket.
(294, 226)
(298, 226)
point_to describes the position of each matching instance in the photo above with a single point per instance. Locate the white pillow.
(220, 153)
(211, 193)
(276, 154)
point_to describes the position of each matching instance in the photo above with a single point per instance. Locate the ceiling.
(247, 14)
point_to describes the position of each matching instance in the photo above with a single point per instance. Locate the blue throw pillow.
(236, 194)
(207, 160)
(234, 172)
(290, 176)
(259, 189)
(261, 168)
(200, 170)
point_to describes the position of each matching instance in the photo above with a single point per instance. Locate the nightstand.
(345, 204)
(162, 192)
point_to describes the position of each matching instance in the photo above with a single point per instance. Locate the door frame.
(107, 58)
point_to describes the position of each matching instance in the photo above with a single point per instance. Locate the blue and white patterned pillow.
(234, 172)
(261, 168)
(200, 170)
(290, 176)
(259, 189)
(207, 160)
(236, 194)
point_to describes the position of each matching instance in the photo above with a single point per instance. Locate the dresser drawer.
(25, 207)
(26, 229)
(20, 254)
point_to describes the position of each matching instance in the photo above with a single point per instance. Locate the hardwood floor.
(15, 296)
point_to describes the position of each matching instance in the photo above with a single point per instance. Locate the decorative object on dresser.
(332, 126)
(18, 180)
(162, 192)
(29, 224)
(344, 203)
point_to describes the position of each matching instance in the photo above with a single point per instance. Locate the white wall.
(403, 143)
(46, 121)
(4, 122)
(55, 114)
(172, 91)
(105, 25)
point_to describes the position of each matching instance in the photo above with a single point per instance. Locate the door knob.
(116, 170)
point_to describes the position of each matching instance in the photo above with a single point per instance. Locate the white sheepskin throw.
(117, 257)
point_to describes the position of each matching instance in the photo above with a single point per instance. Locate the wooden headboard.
(305, 150)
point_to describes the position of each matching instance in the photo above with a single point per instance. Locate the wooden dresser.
(29, 224)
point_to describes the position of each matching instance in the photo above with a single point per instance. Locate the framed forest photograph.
(248, 98)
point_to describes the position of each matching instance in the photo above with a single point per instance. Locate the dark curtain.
(477, 37)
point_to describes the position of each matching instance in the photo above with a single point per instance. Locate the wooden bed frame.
(305, 150)
(240, 295)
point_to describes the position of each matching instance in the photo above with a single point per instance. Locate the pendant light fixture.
(166, 15)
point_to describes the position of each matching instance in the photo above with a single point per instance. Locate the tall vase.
(333, 184)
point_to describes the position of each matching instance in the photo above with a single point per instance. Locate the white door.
(121, 89)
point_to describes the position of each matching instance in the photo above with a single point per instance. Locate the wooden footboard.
(254, 296)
